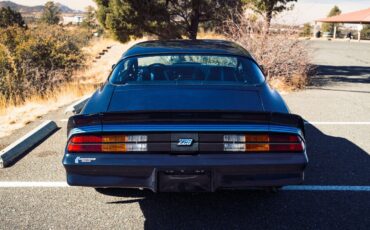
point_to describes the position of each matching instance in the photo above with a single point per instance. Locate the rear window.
(187, 69)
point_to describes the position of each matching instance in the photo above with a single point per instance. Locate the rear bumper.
(163, 172)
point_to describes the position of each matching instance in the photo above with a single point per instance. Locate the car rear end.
(185, 151)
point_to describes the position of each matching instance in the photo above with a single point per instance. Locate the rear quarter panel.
(99, 101)
(272, 100)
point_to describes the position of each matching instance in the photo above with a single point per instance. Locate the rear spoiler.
(282, 119)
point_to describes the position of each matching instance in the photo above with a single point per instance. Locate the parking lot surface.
(337, 109)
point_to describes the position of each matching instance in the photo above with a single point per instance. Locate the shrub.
(12, 36)
(43, 58)
(8, 88)
(279, 52)
(9, 17)
(306, 30)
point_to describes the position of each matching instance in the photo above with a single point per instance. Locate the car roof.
(217, 47)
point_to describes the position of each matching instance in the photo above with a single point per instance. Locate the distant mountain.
(66, 10)
(35, 9)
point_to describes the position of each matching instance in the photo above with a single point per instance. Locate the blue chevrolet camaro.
(185, 115)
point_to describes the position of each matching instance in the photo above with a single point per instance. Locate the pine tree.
(329, 27)
(167, 19)
(51, 14)
(9, 17)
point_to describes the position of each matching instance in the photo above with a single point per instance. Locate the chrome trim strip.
(186, 128)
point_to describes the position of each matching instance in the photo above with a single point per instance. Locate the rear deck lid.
(185, 97)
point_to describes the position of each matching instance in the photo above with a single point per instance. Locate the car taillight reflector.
(84, 148)
(107, 143)
(292, 147)
(263, 143)
(284, 138)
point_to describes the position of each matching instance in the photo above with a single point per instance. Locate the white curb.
(19, 147)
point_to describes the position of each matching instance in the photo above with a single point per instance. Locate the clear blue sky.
(304, 10)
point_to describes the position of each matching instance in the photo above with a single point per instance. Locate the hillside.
(34, 9)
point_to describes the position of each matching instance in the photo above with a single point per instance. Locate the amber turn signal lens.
(113, 147)
(257, 147)
(257, 138)
(114, 138)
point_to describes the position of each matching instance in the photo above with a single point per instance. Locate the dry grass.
(210, 35)
(99, 70)
(15, 117)
(96, 46)
(84, 82)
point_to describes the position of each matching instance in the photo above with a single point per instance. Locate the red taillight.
(283, 138)
(263, 143)
(107, 143)
(86, 139)
(291, 147)
(84, 148)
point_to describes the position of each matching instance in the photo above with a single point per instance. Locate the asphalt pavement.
(337, 107)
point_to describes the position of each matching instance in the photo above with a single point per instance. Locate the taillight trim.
(264, 143)
(107, 143)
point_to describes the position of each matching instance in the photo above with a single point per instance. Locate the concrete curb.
(19, 147)
(78, 105)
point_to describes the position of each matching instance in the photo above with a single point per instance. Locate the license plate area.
(184, 181)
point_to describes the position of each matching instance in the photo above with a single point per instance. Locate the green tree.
(365, 32)
(89, 21)
(329, 27)
(9, 17)
(306, 30)
(51, 13)
(269, 8)
(167, 19)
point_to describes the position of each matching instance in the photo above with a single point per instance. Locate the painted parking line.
(62, 184)
(336, 123)
(33, 184)
(326, 188)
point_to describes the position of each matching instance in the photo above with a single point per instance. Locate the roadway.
(338, 106)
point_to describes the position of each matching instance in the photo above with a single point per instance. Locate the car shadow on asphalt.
(326, 75)
(333, 161)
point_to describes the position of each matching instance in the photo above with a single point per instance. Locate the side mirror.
(114, 65)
